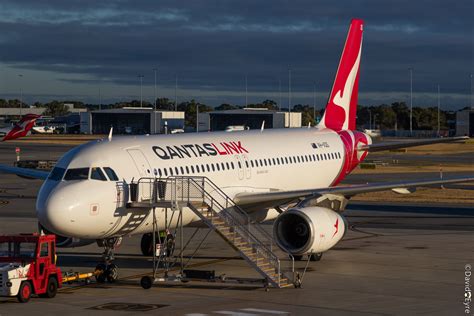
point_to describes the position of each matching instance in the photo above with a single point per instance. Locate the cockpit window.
(57, 174)
(98, 174)
(77, 174)
(111, 174)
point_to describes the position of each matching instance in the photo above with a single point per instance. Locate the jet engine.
(67, 242)
(308, 230)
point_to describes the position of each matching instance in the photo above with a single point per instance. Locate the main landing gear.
(107, 270)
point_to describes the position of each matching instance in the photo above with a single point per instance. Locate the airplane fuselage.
(78, 201)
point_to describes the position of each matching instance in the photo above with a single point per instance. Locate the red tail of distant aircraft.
(22, 128)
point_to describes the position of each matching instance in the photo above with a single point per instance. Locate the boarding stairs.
(219, 212)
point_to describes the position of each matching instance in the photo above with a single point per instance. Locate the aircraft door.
(144, 170)
(248, 169)
(240, 167)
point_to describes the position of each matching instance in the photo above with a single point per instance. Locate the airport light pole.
(21, 92)
(289, 98)
(279, 92)
(155, 70)
(411, 100)
(314, 104)
(197, 117)
(246, 92)
(439, 125)
(176, 94)
(370, 119)
(472, 100)
(141, 89)
(100, 98)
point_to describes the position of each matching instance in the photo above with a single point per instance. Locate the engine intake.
(309, 230)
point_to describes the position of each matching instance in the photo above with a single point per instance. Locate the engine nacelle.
(309, 230)
(66, 242)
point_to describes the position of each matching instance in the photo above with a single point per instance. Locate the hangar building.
(465, 123)
(250, 118)
(131, 121)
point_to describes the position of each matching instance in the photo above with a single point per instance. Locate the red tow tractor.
(28, 266)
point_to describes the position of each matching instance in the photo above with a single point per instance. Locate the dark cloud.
(213, 45)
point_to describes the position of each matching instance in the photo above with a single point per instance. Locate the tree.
(189, 109)
(164, 104)
(55, 108)
(226, 107)
(307, 115)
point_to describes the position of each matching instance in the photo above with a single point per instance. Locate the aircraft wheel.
(100, 275)
(146, 244)
(112, 273)
(316, 256)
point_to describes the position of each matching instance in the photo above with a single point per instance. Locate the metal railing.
(201, 193)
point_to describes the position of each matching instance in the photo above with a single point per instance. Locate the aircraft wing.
(25, 172)
(281, 197)
(396, 145)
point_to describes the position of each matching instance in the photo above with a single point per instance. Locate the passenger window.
(57, 174)
(166, 172)
(77, 174)
(197, 169)
(274, 161)
(97, 174)
(227, 164)
(223, 166)
(159, 172)
(182, 170)
(240, 165)
(217, 167)
(171, 171)
(251, 163)
(192, 168)
(232, 164)
(286, 160)
(176, 169)
(208, 169)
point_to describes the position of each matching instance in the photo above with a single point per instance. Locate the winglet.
(110, 133)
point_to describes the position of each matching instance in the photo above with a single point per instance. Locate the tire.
(146, 244)
(146, 282)
(316, 256)
(24, 294)
(111, 273)
(51, 288)
(100, 277)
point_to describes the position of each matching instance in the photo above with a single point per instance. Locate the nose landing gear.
(107, 270)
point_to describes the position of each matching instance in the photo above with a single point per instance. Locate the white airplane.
(87, 198)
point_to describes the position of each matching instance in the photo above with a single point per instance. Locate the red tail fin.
(340, 113)
(22, 128)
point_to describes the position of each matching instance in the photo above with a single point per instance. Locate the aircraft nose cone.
(55, 208)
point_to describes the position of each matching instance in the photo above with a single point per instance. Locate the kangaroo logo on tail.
(340, 113)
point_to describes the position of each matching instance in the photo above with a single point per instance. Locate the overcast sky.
(72, 49)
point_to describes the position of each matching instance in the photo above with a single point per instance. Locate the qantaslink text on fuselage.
(199, 150)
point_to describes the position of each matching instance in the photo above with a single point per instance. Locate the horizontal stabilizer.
(395, 145)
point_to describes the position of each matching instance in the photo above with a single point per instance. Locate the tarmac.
(396, 259)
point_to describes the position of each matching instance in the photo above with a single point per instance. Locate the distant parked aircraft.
(21, 128)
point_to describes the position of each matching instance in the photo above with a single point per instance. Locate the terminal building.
(247, 118)
(134, 120)
(465, 123)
